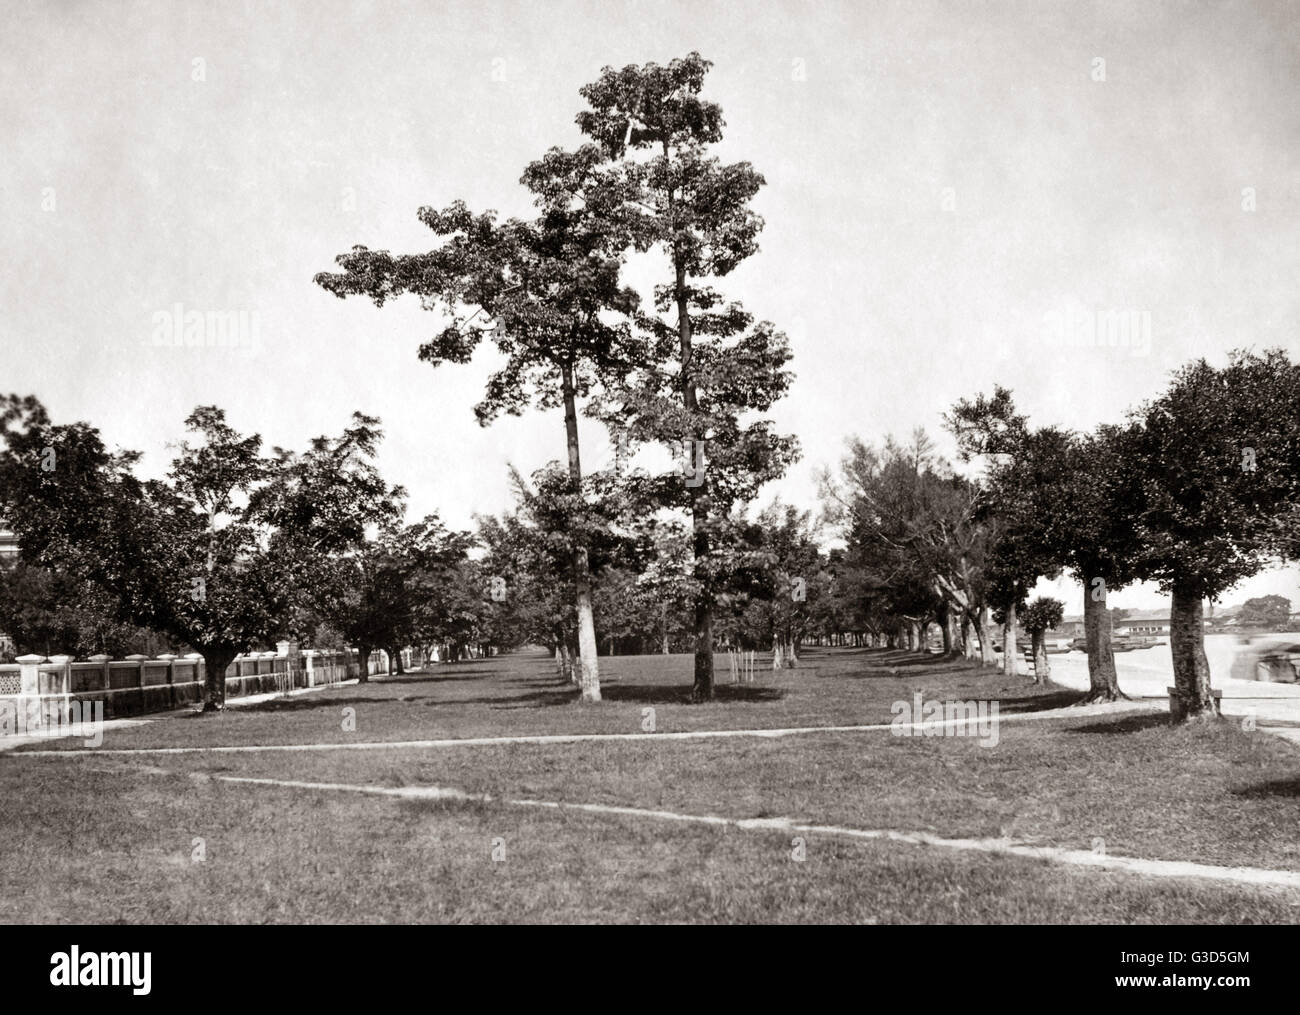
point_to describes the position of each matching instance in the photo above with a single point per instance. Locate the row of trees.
(1195, 491)
(236, 547)
(233, 549)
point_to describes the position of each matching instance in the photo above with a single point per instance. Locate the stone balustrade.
(139, 684)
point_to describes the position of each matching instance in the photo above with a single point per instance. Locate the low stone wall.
(137, 684)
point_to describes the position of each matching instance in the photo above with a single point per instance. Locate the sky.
(957, 195)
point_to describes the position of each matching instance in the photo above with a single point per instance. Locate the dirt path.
(1255, 876)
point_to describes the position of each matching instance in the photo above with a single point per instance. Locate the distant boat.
(1054, 646)
(1128, 642)
(1120, 642)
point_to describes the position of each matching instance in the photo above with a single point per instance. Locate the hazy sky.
(951, 189)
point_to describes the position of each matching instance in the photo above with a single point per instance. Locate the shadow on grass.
(1040, 702)
(656, 694)
(537, 699)
(901, 660)
(1276, 788)
(1126, 724)
(432, 677)
(639, 694)
(934, 665)
(302, 704)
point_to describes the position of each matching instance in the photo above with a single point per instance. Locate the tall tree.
(547, 285)
(664, 186)
(1213, 494)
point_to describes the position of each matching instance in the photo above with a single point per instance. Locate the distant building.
(1143, 622)
(1155, 623)
(1071, 627)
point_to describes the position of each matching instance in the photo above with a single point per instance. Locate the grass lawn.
(521, 696)
(1215, 795)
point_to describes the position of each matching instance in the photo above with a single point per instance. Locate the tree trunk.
(987, 656)
(215, 662)
(944, 620)
(702, 688)
(590, 669)
(1009, 650)
(952, 624)
(1192, 698)
(1104, 684)
(969, 643)
(575, 668)
(561, 663)
(776, 652)
(1042, 668)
